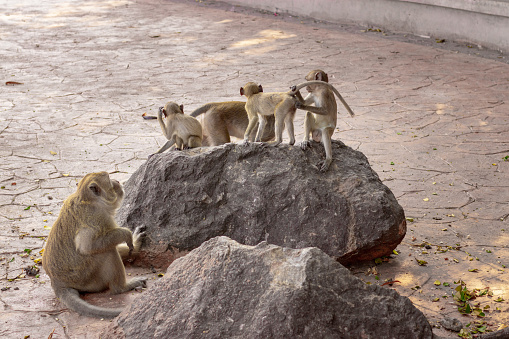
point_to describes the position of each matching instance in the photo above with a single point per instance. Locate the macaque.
(83, 249)
(282, 105)
(223, 120)
(182, 130)
(260, 106)
(321, 119)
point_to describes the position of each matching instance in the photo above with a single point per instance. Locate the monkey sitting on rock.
(182, 130)
(83, 250)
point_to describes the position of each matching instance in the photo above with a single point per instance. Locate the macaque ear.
(318, 76)
(260, 88)
(182, 108)
(95, 188)
(242, 91)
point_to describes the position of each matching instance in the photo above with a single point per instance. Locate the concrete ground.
(433, 123)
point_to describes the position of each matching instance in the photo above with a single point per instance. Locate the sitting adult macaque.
(84, 247)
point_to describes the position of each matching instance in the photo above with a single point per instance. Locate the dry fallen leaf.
(12, 83)
(52, 152)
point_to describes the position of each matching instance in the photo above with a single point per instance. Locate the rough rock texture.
(227, 290)
(257, 193)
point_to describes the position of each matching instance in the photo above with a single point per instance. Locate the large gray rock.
(227, 290)
(256, 193)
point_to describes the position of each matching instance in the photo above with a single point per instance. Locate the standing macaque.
(260, 106)
(282, 105)
(223, 120)
(182, 130)
(321, 119)
(82, 253)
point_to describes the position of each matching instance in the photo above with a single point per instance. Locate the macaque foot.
(324, 165)
(304, 145)
(139, 232)
(131, 284)
(273, 143)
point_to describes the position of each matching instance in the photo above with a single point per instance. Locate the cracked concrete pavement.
(433, 123)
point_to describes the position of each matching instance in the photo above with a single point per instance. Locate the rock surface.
(227, 290)
(257, 193)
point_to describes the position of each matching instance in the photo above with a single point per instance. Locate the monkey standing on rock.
(225, 119)
(182, 130)
(282, 105)
(321, 119)
(83, 250)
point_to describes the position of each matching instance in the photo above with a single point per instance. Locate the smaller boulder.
(227, 290)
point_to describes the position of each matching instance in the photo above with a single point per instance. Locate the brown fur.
(282, 105)
(223, 120)
(182, 130)
(260, 105)
(321, 119)
(81, 253)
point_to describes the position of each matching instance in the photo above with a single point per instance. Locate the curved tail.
(201, 110)
(318, 82)
(71, 298)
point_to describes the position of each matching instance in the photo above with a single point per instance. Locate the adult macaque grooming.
(321, 119)
(223, 120)
(282, 105)
(182, 130)
(82, 250)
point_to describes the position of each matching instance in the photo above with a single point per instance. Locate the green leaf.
(378, 261)
(421, 262)
(27, 208)
(478, 312)
(27, 250)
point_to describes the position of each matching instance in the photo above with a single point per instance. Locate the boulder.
(224, 289)
(255, 193)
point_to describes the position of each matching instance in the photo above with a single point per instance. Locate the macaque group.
(85, 246)
(261, 118)
(282, 105)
